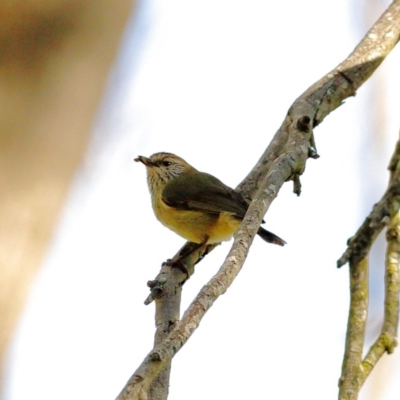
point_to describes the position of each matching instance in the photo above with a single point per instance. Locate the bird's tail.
(270, 237)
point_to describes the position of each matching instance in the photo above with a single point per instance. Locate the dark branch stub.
(312, 153)
(158, 286)
(151, 284)
(296, 185)
(303, 123)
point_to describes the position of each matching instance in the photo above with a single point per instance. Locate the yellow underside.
(195, 226)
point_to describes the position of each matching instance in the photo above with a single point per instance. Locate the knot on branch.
(155, 356)
(304, 124)
(168, 279)
(390, 342)
(393, 234)
(136, 379)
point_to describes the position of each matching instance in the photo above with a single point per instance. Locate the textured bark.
(356, 370)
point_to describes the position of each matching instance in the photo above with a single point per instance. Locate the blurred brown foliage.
(54, 59)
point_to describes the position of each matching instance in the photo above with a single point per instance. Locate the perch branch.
(160, 357)
(326, 95)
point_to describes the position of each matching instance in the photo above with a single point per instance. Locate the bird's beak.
(144, 160)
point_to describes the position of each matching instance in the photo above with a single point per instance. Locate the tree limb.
(387, 340)
(351, 381)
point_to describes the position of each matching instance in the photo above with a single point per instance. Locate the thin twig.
(355, 370)
(382, 213)
(392, 280)
(387, 340)
(350, 381)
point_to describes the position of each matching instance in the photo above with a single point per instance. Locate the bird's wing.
(203, 192)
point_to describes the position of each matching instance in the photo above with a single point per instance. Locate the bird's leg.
(189, 249)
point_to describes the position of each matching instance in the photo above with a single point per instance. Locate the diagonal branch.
(284, 159)
(383, 212)
(162, 354)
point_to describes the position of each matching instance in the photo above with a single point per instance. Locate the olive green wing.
(203, 192)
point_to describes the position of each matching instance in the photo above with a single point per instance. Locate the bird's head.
(163, 167)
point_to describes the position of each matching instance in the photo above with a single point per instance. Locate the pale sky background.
(211, 81)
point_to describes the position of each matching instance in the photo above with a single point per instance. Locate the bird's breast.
(194, 225)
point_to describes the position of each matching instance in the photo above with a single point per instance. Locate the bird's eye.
(166, 163)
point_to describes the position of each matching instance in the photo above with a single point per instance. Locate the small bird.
(194, 204)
